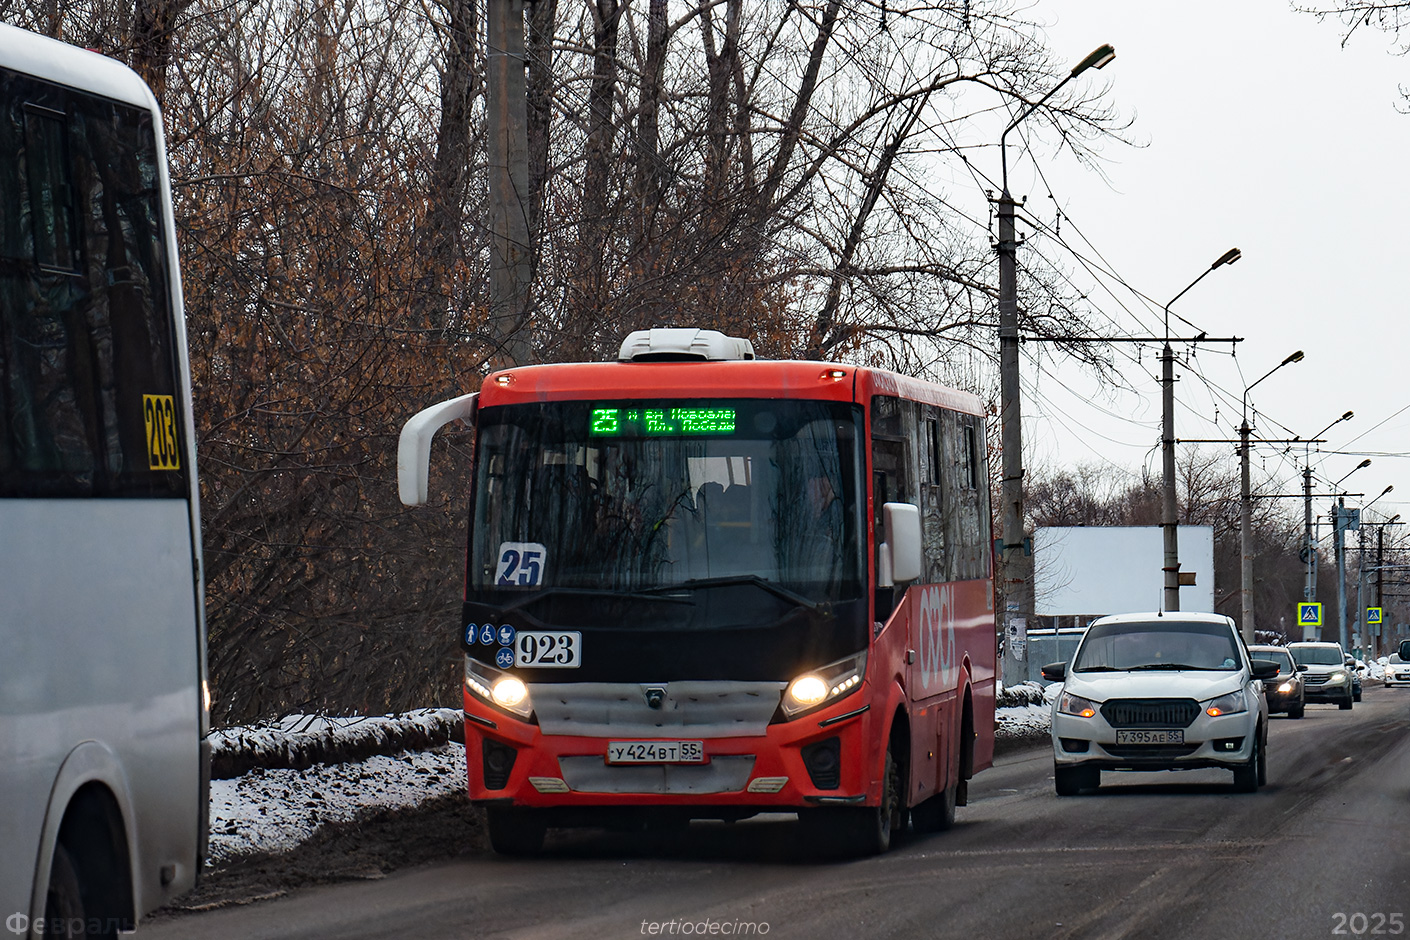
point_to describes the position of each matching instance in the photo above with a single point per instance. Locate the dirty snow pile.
(1024, 710)
(273, 810)
(300, 741)
(288, 794)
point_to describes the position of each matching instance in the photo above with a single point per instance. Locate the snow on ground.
(275, 810)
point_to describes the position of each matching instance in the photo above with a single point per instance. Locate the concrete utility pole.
(1340, 543)
(1309, 587)
(1016, 552)
(1246, 512)
(1169, 521)
(1361, 570)
(1341, 520)
(511, 261)
(1309, 541)
(1380, 577)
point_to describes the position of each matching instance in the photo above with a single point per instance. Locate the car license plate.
(1150, 737)
(655, 752)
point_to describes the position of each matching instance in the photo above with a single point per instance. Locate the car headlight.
(499, 689)
(1069, 704)
(1230, 704)
(820, 686)
(1336, 678)
(1285, 687)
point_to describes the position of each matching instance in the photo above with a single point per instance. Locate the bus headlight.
(822, 685)
(499, 689)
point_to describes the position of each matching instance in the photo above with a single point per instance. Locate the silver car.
(1326, 677)
(1160, 691)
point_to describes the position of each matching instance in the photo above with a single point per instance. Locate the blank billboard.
(1087, 570)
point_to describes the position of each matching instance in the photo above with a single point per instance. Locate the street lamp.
(1309, 589)
(1245, 509)
(1168, 521)
(1017, 564)
(1364, 463)
(1339, 522)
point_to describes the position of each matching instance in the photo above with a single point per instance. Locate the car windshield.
(1165, 644)
(1281, 657)
(1318, 655)
(626, 497)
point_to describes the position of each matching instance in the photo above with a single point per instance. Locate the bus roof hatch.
(683, 345)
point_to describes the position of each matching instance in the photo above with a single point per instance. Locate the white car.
(1160, 691)
(1397, 671)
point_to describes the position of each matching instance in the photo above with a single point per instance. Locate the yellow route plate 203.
(159, 414)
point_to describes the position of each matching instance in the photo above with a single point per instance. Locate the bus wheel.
(63, 905)
(514, 831)
(858, 831)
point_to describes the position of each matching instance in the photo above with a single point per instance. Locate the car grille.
(1310, 679)
(1151, 751)
(1150, 713)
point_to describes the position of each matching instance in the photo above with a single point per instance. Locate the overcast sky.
(1258, 131)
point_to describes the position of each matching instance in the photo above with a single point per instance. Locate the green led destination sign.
(661, 422)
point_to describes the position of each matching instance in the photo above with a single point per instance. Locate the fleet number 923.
(1367, 925)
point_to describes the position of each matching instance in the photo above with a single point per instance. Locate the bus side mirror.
(414, 447)
(900, 553)
(1405, 650)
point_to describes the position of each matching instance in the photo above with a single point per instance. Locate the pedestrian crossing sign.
(1373, 615)
(1309, 614)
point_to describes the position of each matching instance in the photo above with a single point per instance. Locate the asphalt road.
(1322, 851)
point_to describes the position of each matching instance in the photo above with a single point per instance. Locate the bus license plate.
(655, 752)
(1150, 737)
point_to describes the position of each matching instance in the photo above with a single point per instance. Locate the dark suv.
(1284, 692)
(1325, 677)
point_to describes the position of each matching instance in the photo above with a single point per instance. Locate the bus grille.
(1150, 713)
(685, 710)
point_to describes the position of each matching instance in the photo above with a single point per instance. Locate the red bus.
(702, 585)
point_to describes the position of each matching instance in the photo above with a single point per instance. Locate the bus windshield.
(635, 496)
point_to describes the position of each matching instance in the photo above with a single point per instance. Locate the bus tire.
(854, 832)
(515, 832)
(63, 904)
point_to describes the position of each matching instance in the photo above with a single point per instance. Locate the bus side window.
(932, 506)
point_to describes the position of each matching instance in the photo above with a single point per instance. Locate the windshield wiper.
(648, 595)
(777, 590)
(1098, 669)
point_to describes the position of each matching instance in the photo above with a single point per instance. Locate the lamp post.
(1246, 512)
(1017, 563)
(1340, 521)
(1168, 520)
(1309, 589)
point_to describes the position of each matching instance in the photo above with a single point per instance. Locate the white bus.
(104, 770)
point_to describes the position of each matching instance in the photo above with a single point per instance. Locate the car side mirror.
(1055, 672)
(1263, 669)
(1300, 667)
